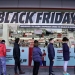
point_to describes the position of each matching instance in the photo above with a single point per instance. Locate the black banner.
(37, 17)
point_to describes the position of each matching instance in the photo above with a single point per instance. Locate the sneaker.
(21, 72)
(52, 71)
(2, 74)
(51, 74)
(16, 74)
(66, 74)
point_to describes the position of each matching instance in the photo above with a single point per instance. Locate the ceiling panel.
(51, 3)
(68, 4)
(29, 3)
(8, 3)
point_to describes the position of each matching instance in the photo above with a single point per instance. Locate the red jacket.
(2, 50)
(43, 56)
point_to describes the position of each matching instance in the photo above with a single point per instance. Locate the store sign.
(37, 17)
(49, 26)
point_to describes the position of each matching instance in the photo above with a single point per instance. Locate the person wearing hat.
(37, 57)
(51, 55)
(2, 58)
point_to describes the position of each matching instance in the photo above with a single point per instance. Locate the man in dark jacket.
(16, 55)
(51, 55)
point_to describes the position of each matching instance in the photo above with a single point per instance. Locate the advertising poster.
(59, 57)
(72, 55)
(24, 56)
(45, 60)
(58, 61)
(9, 56)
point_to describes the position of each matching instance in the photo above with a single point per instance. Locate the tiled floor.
(42, 71)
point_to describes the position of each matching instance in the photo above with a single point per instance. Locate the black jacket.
(16, 51)
(66, 52)
(51, 51)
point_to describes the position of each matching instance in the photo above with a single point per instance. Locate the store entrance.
(41, 26)
(27, 36)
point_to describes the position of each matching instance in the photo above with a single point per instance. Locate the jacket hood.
(1, 44)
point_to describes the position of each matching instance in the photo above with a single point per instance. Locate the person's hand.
(53, 60)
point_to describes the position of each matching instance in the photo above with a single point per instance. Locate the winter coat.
(16, 51)
(2, 50)
(37, 54)
(51, 51)
(66, 53)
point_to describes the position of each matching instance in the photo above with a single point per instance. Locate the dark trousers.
(44, 63)
(17, 65)
(36, 68)
(51, 65)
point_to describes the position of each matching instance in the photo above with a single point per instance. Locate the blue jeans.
(3, 65)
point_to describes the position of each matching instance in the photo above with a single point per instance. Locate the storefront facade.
(38, 18)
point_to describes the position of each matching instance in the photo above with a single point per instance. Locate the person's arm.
(4, 50)
(17, 51)
(45, 54)
(50, 50)
(39, 51)
(65, 47)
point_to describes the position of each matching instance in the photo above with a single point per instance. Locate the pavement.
(42, 71)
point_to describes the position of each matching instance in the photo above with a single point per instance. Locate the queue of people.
(36, 55)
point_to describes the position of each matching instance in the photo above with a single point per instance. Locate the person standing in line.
(66, 54)
(2, 58)
(51, 55)
(16, 55)
(44, 58)
(46, 43)
(37, 57)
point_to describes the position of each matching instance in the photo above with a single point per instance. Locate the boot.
(2, 74)
(21, 72)
(16, 74)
